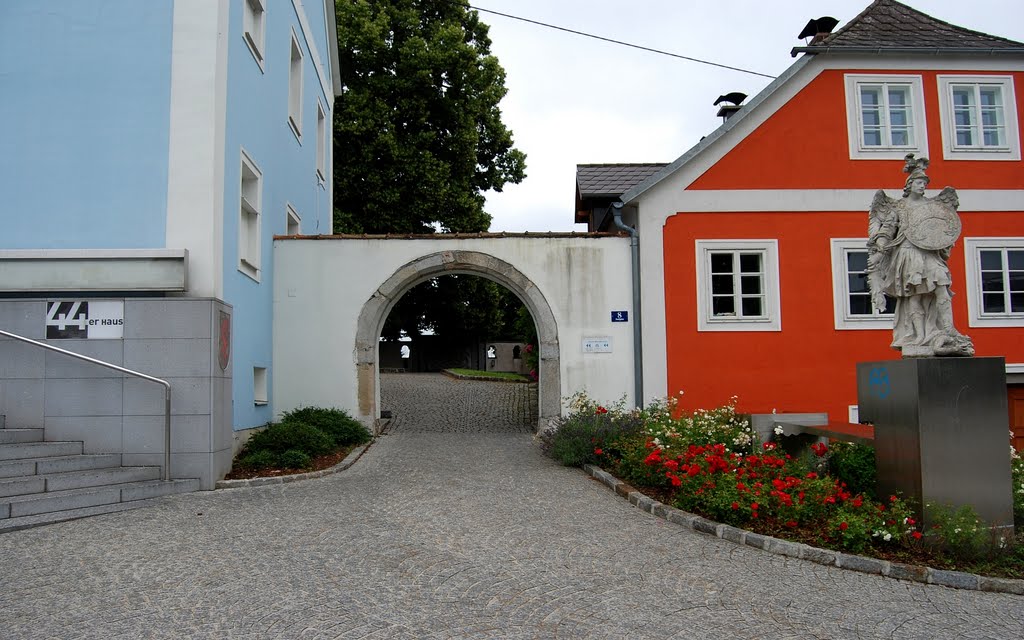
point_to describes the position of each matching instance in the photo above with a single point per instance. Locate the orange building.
(752, 244)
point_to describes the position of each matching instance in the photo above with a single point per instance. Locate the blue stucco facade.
(85, 100)
(288, 164)
(126, 121)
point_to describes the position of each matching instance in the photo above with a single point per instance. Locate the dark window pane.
(1016, 260)
(722, 306)
(1017, 281)
(993, 303)
(856, 261)
(750, 263)
(750, 284)
(721, 263)
(858, 283)
(991, 260)
(751, 307)
(1017, 302)
(992, 281)
(721, 285)
(860, 305)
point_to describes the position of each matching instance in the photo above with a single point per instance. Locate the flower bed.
(710, 462)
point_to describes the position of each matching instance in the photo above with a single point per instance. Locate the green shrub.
(959, 533)
(583, 436)
(262, 459)
(853, 464)
(1017, 466)
(295, 459)
(342, 429)
(280, 437)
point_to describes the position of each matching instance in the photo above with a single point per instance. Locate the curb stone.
(825, 557)
(462, 376)
(295, 477)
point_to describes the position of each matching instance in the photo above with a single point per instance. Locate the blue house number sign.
(620, 316)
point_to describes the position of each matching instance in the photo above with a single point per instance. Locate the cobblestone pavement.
(465, 532)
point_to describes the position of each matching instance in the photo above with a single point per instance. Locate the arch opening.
(375, 312)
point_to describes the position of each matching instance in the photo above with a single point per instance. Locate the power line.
(620, 42)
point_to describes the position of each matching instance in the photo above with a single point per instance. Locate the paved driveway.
(457, 531)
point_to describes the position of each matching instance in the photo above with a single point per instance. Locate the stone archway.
(375, 311)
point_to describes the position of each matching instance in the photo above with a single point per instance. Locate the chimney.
(735, 100)
(818, 29)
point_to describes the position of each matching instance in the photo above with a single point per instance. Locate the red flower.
(911, 521)
(735, 506)
(601, 410)
(843, 526)
(754, 506)
(791, 523)
(916, 535)
(672, 465)
(858, 501)
(598, 452)
(812, 475)
(819, 449)
(893, 498)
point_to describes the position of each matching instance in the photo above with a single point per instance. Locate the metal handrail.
(167, 389)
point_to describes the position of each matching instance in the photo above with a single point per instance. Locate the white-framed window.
(254, 27)
(260, 395)
(995, 281)
(293, 223)
(851, 294)
(295, 87)
(738, 285)
(250, 203)
(979, 118)
(885, 116)
(321, 143)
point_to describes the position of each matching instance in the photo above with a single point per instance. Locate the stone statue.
(909, 241)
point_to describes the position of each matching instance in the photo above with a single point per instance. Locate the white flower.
(778, 429)
(887, 537)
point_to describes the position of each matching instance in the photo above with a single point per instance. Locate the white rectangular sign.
(103, 319)
(597, 345)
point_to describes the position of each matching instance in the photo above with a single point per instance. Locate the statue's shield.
(933, 225)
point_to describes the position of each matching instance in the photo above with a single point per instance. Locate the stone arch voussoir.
(375, 311)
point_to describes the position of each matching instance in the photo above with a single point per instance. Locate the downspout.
(638, 357)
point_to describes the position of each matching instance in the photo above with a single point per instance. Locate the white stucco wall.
(321, 286)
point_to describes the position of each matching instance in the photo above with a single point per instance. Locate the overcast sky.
(574, 100)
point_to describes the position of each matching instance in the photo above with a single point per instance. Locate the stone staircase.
(45, 482)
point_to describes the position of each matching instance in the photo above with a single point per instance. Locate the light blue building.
(150, 152)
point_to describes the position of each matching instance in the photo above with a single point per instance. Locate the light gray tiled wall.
(171, 338)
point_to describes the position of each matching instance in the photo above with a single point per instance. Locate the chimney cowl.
(817, 29)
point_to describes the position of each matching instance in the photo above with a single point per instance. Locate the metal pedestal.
(941, 432)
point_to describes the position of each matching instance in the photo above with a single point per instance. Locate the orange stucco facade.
(809, 365)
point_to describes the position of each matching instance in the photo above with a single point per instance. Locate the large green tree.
(418, 136)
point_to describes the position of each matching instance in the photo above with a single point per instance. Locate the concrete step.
(21, 486)
(19, 512)
(99, 477)
(59, 464)
(11, 436)
(25, 450)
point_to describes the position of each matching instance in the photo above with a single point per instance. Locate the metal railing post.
(166, 385)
